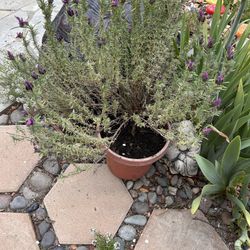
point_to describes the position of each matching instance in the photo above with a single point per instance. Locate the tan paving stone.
(178, 229)
(91, 199)
(17, 159)
(16, 232)
(14, 5)
(5, 13)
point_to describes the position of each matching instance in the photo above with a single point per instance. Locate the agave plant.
(230, 177)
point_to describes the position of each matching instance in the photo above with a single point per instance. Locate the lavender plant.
(119, 64)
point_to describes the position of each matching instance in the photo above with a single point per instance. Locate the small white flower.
(146, 241)
(117, 245)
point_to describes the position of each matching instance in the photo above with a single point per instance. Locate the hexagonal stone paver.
(17, 160)
(178, 229)
(92, 199)
(16, 232)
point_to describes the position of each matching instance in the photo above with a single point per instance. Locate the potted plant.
(116, 75)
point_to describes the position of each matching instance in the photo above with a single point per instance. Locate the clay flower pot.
(132, 169)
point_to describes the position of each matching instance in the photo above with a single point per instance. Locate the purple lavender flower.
(190, 65)
(220, 78)
(206, 131)
(41, 70)
(21, 56)
(230, 52)
(34, 75)
(21, 22)
(115, 3)
(28, 85)
(30, 121)
(10, 56)
(210, 43)
(205, 76)
(65, 1)
(217, 102)
(19, 35)
(201, 16)
(70, 11)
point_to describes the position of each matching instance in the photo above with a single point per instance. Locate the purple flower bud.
(206, 131)
(201, 16)
(21, 56)
(76, 1)
(10, 56)
(217, 102)
(205, 76)
(70, 11)
(115, 3)
(190, 65)
(21, 22)
(230, 52)
(41, 70)
(34, 75)
(28, 85)
(19, 35)
(65, 1)
(59, 37)
(210, 43)
(220, 78)
(30, 121)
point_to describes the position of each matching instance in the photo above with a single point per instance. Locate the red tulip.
(210, 9)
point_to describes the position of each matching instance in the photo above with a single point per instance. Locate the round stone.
(169, 201)
(139, 220)
(172, 190)
(145, 181)
(138, 184)
(159, 190)
(58, 248)
(152, 197)
(121, 243)
(29, 194)
(162, 181)
(33, 207)
(172, 152)
(16, 116)
(133, 193)
(19, 202)
(161, 169)
(40, 213)
(4, 200)
(40, 181)
(43, 227)
(143, 197)
(127, 232)
(140, 207)
(174, 180)
(51, 166)
(48, 239)
(195, 190)
(129, 185)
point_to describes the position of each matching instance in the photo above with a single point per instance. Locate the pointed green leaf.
(230, 157)
(207, 190)
(239, 99)
(245, 144)
(239, 203)
(208, 169)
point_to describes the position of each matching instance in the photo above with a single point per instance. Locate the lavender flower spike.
(41, 70)
(115, 3)
(217, 102)
(206, 131)
(190, 65)
(10, 55)
(34, 75)
(19, 35)
(220, 78)
(230, 52)
(205, 76)
(30, 122)
(21, 22)
(28, 85)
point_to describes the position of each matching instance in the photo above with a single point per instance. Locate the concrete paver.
(92, 199)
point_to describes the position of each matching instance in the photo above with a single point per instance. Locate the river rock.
(40, 181)
(127, 232)
(48, 239)
(19, 202)
(51, 166)
(140, 207)
(139, 220)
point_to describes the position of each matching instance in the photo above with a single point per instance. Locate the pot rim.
(143, 161)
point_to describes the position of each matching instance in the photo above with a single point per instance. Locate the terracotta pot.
(132, 169)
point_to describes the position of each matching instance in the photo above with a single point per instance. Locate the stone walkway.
(46, 204)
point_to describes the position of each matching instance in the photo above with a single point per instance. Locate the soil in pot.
(136, 143)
